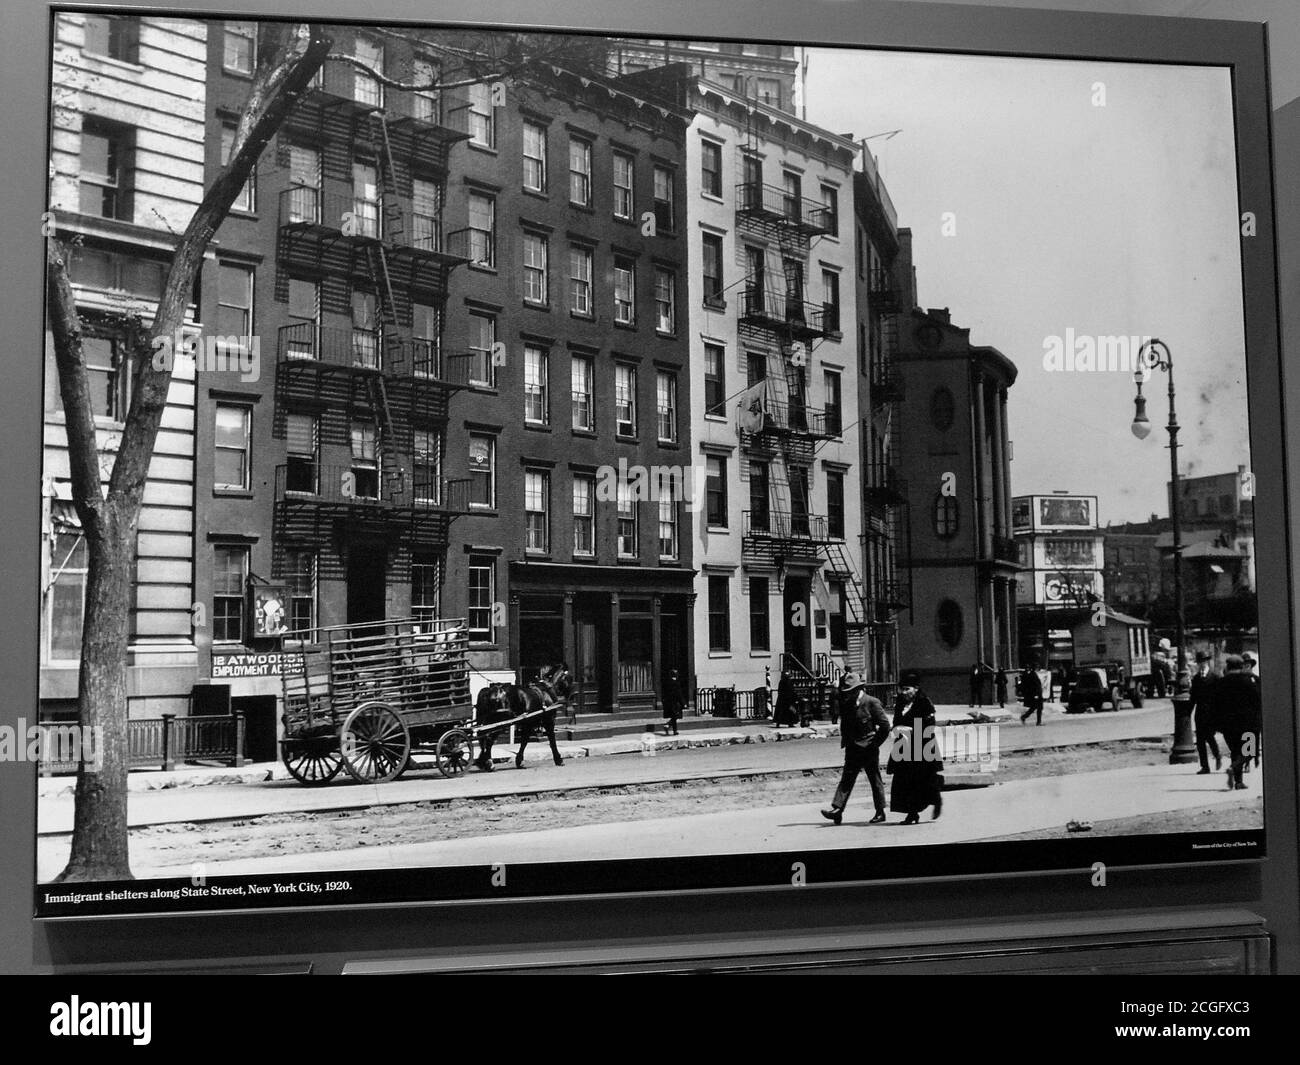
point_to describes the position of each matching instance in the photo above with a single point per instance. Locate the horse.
(501, 702)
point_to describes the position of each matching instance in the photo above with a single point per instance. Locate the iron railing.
(168, 741)
(776, 204)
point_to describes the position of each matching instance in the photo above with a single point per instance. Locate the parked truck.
(1121, 646)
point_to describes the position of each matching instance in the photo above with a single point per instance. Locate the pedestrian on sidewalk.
(1031, 694)
(1237, 715)
(785, 699)
(914, 759)
(1203, 713)
(864, 726)
(1001, 685)
(977, 684)
(674, 703)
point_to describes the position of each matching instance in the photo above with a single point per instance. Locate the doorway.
(798, 619)
(367, 566)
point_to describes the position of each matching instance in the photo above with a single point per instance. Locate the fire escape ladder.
(394, 469)
(392, 209)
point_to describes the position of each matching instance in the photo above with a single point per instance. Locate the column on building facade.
(656, 659)
(613, 650)
(998, 465)
(1006, 455)
(513, 607)
(570, 649)
(981, 486)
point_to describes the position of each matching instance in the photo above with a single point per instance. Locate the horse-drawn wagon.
(369, 697)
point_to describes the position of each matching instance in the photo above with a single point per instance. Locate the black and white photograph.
(489, 463)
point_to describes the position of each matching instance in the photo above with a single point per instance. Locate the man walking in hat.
(1203, 713)
(863, 728)
(1237, 715)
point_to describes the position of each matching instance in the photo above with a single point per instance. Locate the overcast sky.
(1111, 220)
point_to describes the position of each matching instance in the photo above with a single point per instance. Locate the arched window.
(943, 409)
(948, 623)
(945, 517)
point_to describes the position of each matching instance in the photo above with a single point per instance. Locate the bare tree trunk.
(99, 835)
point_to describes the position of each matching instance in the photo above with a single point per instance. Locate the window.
(426, 340)
(482, 116)
(300, 578)
(426, 466)
(624, 291)
(482, 470)
(760, 511)
(584, 514)
(365, 329)
(108, 371)
(537, 406)
(625, 399)
(831, 216)
(836, 616)
(945, 517)
(715, 492)
(537, 505)
(755, 367)
(300, 453)
(481, 599)
(769, 91)
(534, 157)
(579, 172)
(111, 271)
(711, 168)
(234, 300)
(666, 406)
(667, 527)
(948, 623)
(117, 36)
(713, 282)
(792, 195)
(834, 403)
(304, 180)
(755, 280)
(104, 155)
(580, 259)
(231, 446)
(229, 578)
(482, 230)
(365, 460)
(624, 194)
(830, 301)
(793, 271)
(426, 584)
(751, 195)
(426, 206)
(665, 302)
(239, 47)
(245, 200)
(665, 220)
(835, 505)
(627, 530)
(760, 638)
(365, 199)
(66, 599)
(719, 614)
(535, 281)
(425, 104)
(482, 336)
(943, 409)
(366, 89)
(584, 410)
(715, 382)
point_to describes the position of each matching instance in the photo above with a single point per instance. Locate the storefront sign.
(253, 664)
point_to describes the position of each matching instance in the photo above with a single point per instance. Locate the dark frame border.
(893, 25)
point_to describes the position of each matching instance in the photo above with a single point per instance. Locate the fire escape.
(884, 488)
(381, 385)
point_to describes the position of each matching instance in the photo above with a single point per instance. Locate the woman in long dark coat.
(673, 703)
(785, 699)
(916, 765)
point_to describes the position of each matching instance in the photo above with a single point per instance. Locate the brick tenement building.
(469, 305)
(573, 196)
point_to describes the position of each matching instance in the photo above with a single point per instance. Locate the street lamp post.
(1154, 355)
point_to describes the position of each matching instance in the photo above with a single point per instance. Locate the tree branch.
(275, 92)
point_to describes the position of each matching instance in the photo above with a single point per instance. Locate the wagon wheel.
(375, 744)
(455, 752)
(312, 760)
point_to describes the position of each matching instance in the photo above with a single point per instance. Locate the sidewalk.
(987, 813)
